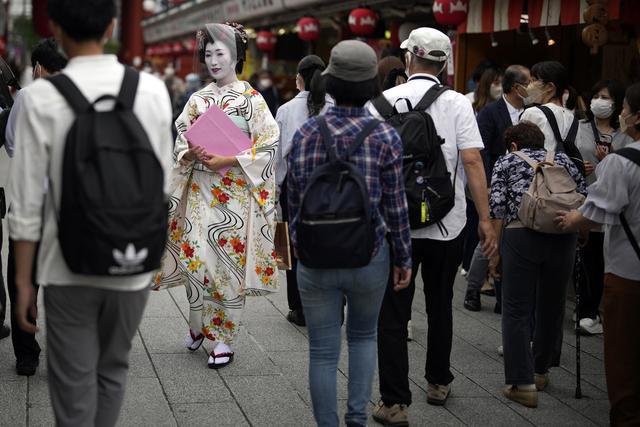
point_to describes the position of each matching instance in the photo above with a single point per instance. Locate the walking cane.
(577, 270)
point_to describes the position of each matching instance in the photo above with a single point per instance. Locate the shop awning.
(488, 16)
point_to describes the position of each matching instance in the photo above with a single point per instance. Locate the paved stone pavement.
(267, 384)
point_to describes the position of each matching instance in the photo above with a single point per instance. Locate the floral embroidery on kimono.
(221, 228)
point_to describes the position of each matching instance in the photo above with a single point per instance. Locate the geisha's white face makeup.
(219, 62)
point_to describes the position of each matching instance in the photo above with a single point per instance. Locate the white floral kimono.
(221, 228)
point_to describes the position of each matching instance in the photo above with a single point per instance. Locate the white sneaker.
(500, 351)
(463, 272)
(590, 326)
(409, 332)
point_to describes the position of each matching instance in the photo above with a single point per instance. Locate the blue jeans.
(321, 292)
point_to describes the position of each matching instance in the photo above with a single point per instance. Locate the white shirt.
(290, 117)
(514, 112)
(617, 190)
(455, 121)
(41, 130)
(563, 116)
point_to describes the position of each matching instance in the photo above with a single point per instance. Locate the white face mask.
(623, 123)
(534, 94)
(601, 108)
(496, 90)
(217, 58)
(265, 83)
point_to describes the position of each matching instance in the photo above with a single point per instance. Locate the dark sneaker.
(472, 301)
(4, 331)
(297, 317)
(391, 416)
(27, 368)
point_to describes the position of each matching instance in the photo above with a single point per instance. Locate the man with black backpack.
(434, 169)
(93, 148)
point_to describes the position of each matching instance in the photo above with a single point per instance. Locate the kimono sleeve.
(258, 162)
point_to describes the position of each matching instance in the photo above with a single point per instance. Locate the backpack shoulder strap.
(550, 157)
(527, 159)
(553, 123)
(327, 139)
(364, 133)
(630, 154)
(432, 94)
(127, 94)
(383, 106)
(633, 155)
(573, 132)
(70, 92)
(594, 129)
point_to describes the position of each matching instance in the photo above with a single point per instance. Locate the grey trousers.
(89, 334)
(536, 269)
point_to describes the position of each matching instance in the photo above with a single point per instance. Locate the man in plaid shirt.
(351, 81)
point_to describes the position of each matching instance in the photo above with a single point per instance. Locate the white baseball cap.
(428, 43)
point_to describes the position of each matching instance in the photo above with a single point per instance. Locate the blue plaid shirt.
(380, 161)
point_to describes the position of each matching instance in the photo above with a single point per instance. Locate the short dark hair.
(632, 95)
(525, 134)
(514, 74)
(82, 20)
(241, 48)
(424, 63)
(45, 53)
(352, 93)
(616, 90)
(552, 72)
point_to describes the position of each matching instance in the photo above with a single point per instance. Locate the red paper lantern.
(190, 45)
(40, 18)
(309, 29)
(177, 48)
(450, 12)
(363, 21)
(266, 41)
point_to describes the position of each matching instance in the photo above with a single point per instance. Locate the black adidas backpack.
(335, 227)
(113, 214)
(427, 181)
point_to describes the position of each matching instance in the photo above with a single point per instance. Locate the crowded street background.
(299, 212)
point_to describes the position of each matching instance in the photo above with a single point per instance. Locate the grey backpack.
(552, 189)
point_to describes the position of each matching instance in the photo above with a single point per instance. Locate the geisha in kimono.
(221, 227)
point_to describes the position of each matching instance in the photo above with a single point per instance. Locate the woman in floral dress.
(220, 242)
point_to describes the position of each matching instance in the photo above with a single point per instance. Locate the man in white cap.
(438, 249)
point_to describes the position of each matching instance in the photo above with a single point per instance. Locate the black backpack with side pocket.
(427, 181)
(335, 226)
(113, 212)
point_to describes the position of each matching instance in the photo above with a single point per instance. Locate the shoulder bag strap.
(554, 125)
(383, 106)
(633, 155)
(327, 139)
(127, 94)
(364, 133)
(432, 94)
(71, 93)
(596, 133)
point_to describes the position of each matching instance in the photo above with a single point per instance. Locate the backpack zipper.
(331, 221)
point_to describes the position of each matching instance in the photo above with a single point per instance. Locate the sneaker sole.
(390, 424)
